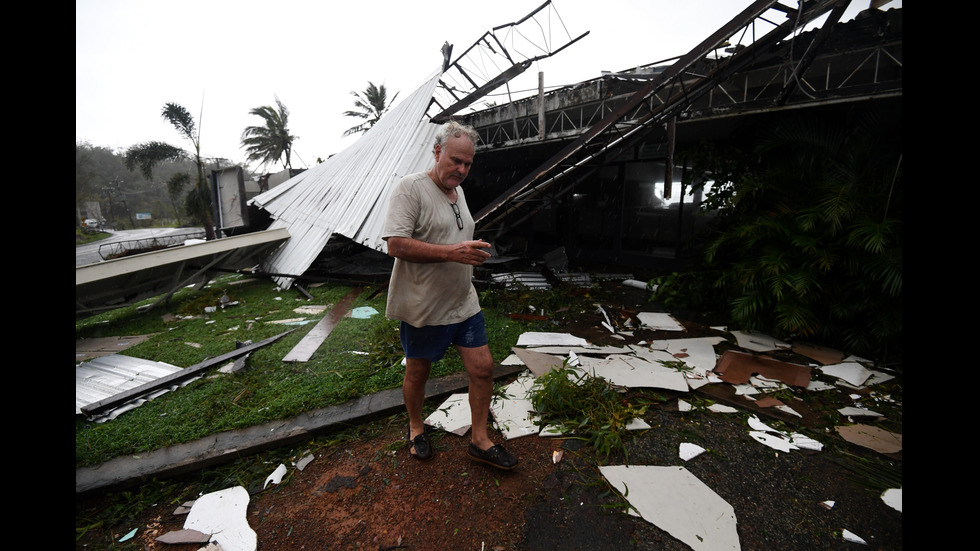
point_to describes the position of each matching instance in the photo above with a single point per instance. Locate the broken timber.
(186, 373)
(308, 345)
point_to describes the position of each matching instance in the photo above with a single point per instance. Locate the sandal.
(496, 456)
(422, 447)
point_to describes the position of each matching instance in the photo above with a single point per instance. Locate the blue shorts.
(432, 341)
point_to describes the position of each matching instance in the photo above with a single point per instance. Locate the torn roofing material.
(348, 193)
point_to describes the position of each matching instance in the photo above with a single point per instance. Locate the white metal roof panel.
(107, 376)
(348, 193)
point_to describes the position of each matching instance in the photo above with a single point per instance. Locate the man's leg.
(479, 366)
(413, 392)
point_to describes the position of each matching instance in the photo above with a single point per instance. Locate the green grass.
(361, 356)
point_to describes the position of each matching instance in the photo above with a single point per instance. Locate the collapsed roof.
(348, 193)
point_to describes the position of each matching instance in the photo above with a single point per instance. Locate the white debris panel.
(678, 503)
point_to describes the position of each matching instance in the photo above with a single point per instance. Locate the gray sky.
(221, 58)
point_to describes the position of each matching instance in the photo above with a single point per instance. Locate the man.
(429, 231)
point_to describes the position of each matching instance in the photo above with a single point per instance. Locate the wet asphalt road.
(89, 253)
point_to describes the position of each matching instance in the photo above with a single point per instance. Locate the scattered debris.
(893, 498)
(311, 309)
(276, 476)
(851, 411)
(128, 536)
(184, 536)
(550, 339)
(821, 354)
(657, 321)
(827, 504)
(721, 408)
(758, 342)
(184, 508)
(780, 440)
(363, 312)
(222, 514)
(851, 372)
(519, 280)
(538, 363)
(638, 284)
(304, 461)
(87, 349)
(874, 438)
(677, 502)
(689, 451)
(453, 415)
(160, 383)
(103, 377)
(292, 321)
(513, 414)
(305, 348)
(633, 372)
(737, 367)
(853, 538)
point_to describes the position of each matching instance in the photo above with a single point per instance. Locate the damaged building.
(594, 170)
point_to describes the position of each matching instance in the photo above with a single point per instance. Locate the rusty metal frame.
(616, 131)
(461, 86)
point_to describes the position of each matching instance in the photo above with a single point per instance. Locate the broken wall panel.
(737, 368)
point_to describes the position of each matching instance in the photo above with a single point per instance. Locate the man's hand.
(470, 252)
(464, 252)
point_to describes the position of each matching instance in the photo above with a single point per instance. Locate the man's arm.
(413, 250)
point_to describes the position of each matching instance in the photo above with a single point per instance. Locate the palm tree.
(198, 201)
(373, 103)
(271, 142)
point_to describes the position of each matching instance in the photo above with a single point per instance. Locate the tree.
(372, 104)
(147, 155)
(150, 154)
(175, 185)
(271, 142)
(808, 241)
(198, 202)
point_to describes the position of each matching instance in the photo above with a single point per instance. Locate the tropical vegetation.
(271, 141)
(103, 178)
(371, 104)
(149, 154)
(808, 240)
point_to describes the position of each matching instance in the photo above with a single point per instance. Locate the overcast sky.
(222, 58)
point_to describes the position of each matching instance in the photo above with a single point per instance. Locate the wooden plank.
(309, 344)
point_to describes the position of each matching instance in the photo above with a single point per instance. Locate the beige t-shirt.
(436, 293)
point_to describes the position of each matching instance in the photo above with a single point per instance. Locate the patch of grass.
(361, 356)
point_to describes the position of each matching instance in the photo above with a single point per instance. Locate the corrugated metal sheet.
(348, 193)
(107, 376)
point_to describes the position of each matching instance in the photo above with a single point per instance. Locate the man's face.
(453, 161)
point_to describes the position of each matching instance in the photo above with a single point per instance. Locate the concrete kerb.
(225, 447)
